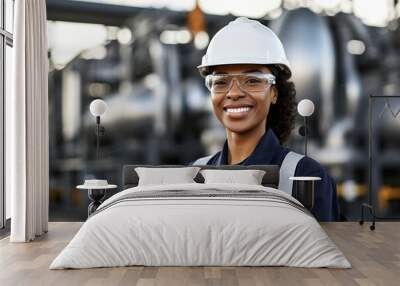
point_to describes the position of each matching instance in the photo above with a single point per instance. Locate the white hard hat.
(245, 41)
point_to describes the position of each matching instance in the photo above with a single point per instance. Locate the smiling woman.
(247, 73)
(252, 104)
(239, 108)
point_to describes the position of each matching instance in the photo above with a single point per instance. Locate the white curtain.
(27, 156)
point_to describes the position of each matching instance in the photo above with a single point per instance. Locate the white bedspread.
(189, 230)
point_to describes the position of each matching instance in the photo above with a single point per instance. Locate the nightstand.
(96, 193)
(303, 190)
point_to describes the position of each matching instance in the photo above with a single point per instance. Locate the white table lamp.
(305, 108)
(98, 107)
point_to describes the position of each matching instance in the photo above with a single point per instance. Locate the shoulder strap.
(287, 170)
(202, 160)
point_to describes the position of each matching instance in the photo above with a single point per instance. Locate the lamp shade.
(98, 107)
(305, 107)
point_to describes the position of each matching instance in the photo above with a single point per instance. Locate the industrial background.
(140, 57)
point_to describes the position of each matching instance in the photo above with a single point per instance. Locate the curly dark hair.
(282, 115)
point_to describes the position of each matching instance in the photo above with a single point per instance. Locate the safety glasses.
(247, 82)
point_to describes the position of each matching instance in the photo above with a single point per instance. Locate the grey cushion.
(248, 177)
(271, 178)
(161, 176)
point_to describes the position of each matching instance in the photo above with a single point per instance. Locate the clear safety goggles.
(247, 82)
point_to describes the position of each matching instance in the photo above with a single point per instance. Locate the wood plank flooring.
(374, 255)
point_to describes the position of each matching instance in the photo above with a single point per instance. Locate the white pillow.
(249, 177)
(162, 176)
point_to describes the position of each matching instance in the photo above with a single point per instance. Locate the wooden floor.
(375, 257)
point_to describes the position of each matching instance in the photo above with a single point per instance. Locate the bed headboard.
(130, 178)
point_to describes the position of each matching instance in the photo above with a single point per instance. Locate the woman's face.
(255, 106)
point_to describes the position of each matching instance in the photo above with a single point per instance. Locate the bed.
(201, 224)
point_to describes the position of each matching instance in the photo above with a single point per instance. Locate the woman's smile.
(237, 112)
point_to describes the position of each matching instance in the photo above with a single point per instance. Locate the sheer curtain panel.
(27, 159)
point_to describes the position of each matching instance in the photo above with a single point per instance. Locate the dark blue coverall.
(270, 152)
